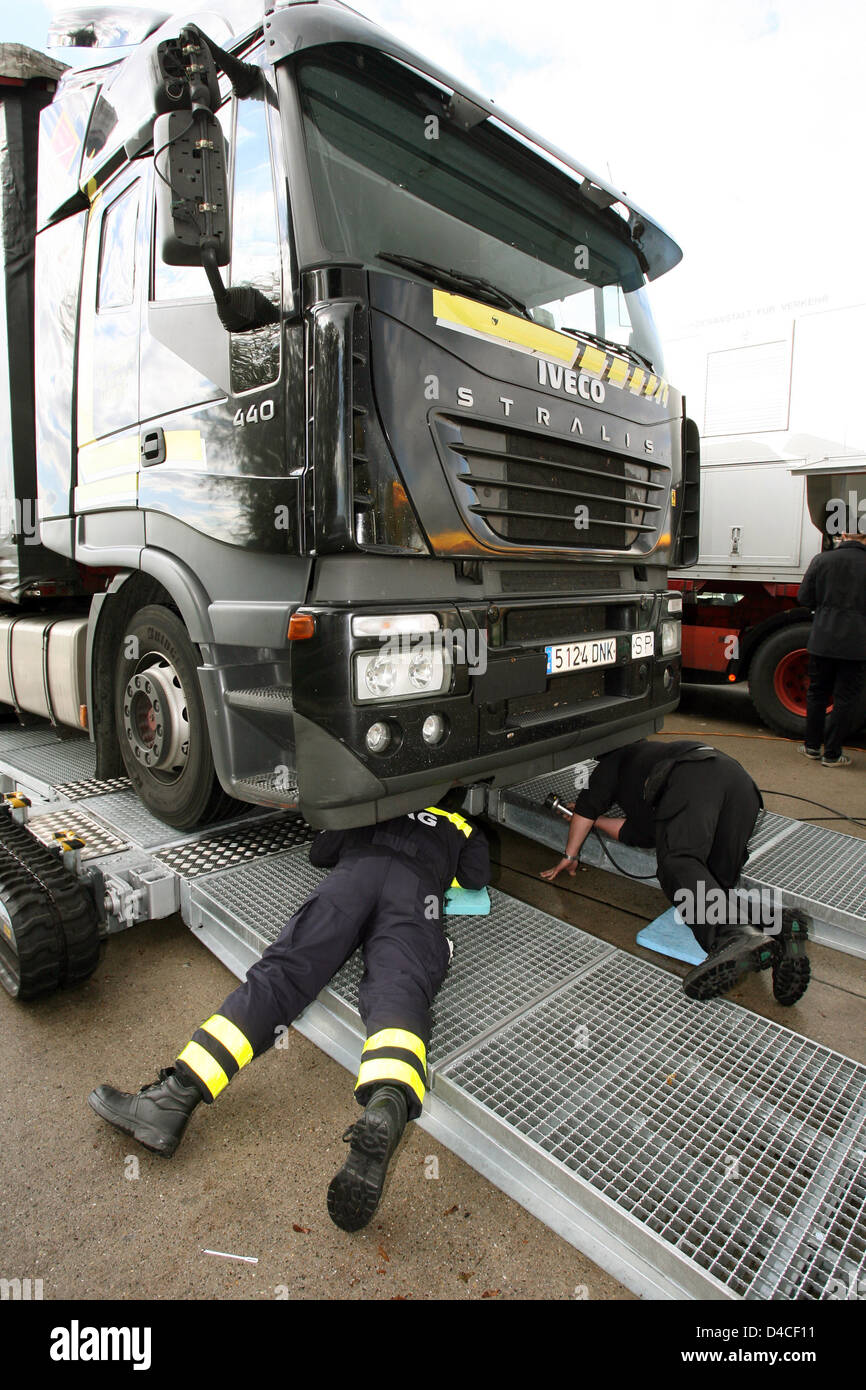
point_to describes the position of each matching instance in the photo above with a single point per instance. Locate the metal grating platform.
(769, 828)
(716, 1131)
(497, 969)
(817, 866)
(48, 766)
(17, 736)
(731, 1140)
(563, 783)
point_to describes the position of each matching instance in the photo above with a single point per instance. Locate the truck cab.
(408, 525)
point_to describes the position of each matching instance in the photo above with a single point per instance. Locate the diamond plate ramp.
(209, 853)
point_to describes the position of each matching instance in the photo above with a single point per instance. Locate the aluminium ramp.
(693, 1150)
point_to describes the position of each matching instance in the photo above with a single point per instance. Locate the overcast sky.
(739, 126)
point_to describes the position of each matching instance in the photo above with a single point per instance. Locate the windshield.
(394, 173)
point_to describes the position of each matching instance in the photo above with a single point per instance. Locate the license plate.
(642, 644)
(580, 656)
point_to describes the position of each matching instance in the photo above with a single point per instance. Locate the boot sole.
(791, 979)
(791, 969)
(356, 1191)
(146, 1135)
(719, 979)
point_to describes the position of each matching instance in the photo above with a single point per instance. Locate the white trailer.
(776, 405)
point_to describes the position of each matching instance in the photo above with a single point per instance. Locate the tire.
(779, 679)
(161, 723)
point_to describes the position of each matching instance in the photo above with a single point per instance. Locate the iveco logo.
(576, 384)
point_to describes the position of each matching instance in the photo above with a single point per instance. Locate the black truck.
(339, 463)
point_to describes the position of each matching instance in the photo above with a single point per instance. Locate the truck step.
(273, 699)
(277, 788)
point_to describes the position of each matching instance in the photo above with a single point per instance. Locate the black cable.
(792, 796)
(640, 877)
(181, 208)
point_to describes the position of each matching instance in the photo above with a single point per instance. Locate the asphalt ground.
(97, 1218)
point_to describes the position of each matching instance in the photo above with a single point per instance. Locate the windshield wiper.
(458, 279)
(610, 346)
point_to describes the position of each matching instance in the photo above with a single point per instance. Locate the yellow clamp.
(67, 841)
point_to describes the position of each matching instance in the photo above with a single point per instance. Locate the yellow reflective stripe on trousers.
(397, 1037)
(231, 1038)
(385, 1070)
(454, 818)
(206, 1069)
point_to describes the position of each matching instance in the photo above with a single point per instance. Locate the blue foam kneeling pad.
(467, 902)
(670, 936)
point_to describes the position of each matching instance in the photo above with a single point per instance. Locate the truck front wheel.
(779, 680)
(161, 722)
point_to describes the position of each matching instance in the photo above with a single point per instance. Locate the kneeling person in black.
(697, 808)
(386, 894)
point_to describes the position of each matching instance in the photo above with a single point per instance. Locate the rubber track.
(39, 939)
(73, 905)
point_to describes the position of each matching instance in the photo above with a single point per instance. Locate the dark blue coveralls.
(386, 892)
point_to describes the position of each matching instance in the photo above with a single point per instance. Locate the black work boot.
(355, 1191)
(156, 1117)
(737, 951)
(791, 969)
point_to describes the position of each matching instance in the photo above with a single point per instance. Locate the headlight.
(403, 669)
(671, 637)
(380, 676)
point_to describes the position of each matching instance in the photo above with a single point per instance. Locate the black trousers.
(704, 821)
(379, 902)
(833, 679)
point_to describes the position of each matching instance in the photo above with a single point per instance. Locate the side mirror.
(192, 204)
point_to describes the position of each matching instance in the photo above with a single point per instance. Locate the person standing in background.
(834, 587)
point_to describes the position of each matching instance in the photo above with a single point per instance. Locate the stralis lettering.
(77, 1343)
(575, 383)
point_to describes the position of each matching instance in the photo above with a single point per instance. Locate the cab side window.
(255, 357)
(116, 283)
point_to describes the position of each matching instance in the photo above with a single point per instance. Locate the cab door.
(108, 349)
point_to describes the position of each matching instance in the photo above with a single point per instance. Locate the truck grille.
(532, 489)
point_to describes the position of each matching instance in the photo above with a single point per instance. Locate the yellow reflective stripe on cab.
(384, 1070)
(205, 1067)
(398, 1037)
(464, 315)
(231, 1038)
